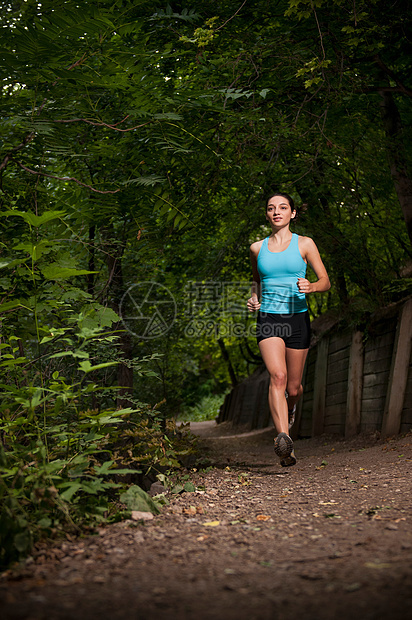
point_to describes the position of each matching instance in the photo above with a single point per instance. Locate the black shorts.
(294, 329)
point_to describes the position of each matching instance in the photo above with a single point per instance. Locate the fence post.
(319, 390)
(355, 385)
(398, 375)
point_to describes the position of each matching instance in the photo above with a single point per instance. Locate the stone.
(138, 515)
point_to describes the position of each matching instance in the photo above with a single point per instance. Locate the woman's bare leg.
(295, 363)
(273, 352)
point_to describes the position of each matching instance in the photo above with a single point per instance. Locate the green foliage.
(56, 474)
(61, 446)
(206, 409)
(51, 477)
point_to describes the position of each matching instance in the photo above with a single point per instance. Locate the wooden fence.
(354, 381)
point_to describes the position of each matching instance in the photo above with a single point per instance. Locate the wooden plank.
(375, 405)
(339, 387)
(335, 429)
(379, 349)
(371, 380)
(342, 354)
(369, 420)
(339, 341)
(382, 365)
(336, 399)
(355, 385)
(336, 411)
(381, 328)
(249, 403)
(375, 391)
(319, 390)
(368, 428)
(379, 353)
(398, 378)
(338, 363)
(224, 409)
(406, 421)
(407, 416)
(237, 403)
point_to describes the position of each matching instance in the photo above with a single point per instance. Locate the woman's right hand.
(253, 304)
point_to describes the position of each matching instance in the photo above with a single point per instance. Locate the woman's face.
(279, 211)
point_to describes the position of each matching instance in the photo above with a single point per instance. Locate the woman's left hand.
(305, 286)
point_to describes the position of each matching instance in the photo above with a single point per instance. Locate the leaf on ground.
(378, 565)
(263, 517)
(331, 515)
(190, 511)
(137, 499)
(189, 487)
(352, 587)
(211, 523)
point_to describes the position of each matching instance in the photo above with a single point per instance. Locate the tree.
(158, 131)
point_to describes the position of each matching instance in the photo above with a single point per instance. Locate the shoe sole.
(283, 445)
(288, 461)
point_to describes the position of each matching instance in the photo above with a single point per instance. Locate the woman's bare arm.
(311, 253)
(253, 302)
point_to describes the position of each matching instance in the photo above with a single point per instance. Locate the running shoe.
(283, 445)
(289, 460)
(292, 416)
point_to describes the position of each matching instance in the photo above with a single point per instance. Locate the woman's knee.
(294, 390)
(278, 379)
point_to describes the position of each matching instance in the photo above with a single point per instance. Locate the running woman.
(283, 328)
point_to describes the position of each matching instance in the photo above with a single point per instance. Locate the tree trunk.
(116, 287)
(397, 156)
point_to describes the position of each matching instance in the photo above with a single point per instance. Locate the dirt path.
(328, 538)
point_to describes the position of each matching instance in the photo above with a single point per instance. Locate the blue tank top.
(279, 272)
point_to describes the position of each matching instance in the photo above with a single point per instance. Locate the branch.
(100, 124)
(53, 176)
(234, 15)
(26, 140)
(72, 66)
(319, 30)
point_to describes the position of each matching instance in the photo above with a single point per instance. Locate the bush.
(207, 409)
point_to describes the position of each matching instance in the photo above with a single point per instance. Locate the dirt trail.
(328, 538)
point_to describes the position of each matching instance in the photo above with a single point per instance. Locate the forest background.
(139, 142)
